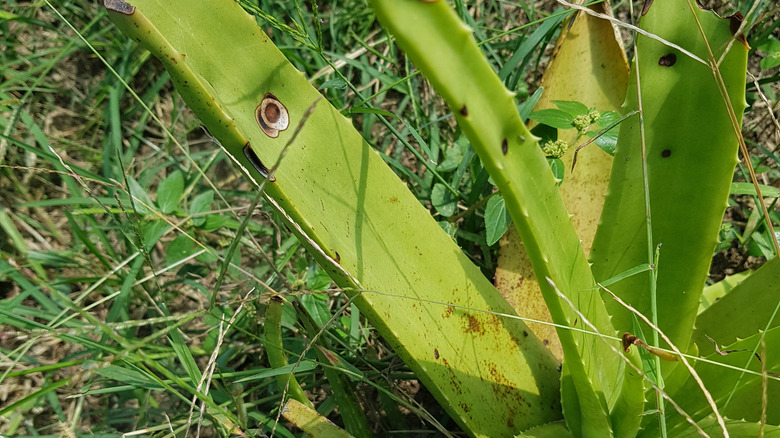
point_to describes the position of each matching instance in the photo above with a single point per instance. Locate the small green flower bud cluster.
(555, 149)
(581, 122)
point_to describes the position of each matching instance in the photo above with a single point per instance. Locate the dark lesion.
(272, 116)
(250, 155)
(667, 60)
(119, 6)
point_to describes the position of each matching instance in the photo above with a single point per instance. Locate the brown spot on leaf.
(668, 60)
(646, 7)
(504, 146)
(735, 21)
(463, 111)
(472, 324)
(272, 116)
(666, 153)
(338, 257)
(628, 340)
(119, 6)
(436, 353)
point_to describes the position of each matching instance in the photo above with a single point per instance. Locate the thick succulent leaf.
(737, 394)
(715, 292)
(590, 67)
(743, 311)
(691, 154)
(736, 428)
(442, 47)
(310, 421)
(357, 218)
(551, 430)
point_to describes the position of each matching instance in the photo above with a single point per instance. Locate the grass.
(119, 306)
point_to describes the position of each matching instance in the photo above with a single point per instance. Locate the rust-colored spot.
(666, 153)
(504, 146)
(393, 200)
(735, 21)
(252, 157)
(119, 6)
(272, 116)
(436, 353)
(463, 111)
(448, 311)
(667, 60)
(628, 340)
(338, 257)
(472, 324)
(646, 7)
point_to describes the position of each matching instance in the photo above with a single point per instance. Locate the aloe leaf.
(442, 47)
(744, 311)
(736, 428)
(737, 394)
(356, 217)
(584, 41)
(310, 421)
(689, 168)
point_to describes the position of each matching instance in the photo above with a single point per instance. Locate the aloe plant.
(355, 216)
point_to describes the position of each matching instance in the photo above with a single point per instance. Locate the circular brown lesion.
(272, 113)
(272, 116)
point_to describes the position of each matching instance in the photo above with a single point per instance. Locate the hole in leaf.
(668, 60)
(256, 163)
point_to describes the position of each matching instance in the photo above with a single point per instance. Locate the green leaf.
(181, 247)
(525, 108)
(169, 192)
(606, 141)
(545, 133)
(553, 117)
(214, 222)
(201, 204)
(140, 197)
(452, 159)
(317, 279)
(443, 200)
(745, 188)
(574, 108)
(607, 118)
(264, 373)
(772, 49)
(497, 219)
(129, 377)
(337, 84)
(558, 169)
